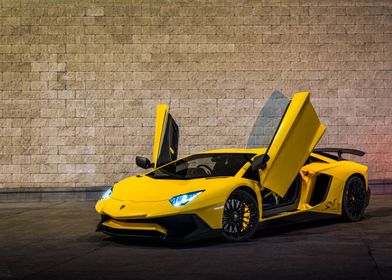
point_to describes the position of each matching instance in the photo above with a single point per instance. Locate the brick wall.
(80, 79)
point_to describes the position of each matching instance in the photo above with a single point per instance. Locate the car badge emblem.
(122, 206)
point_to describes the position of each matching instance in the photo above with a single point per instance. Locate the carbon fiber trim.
(185, 226)
(132, 233)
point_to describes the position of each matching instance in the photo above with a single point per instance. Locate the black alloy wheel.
(354, 199)
(240, 216)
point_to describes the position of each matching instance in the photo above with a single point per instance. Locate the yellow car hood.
(144, 188)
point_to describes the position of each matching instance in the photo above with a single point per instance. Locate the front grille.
(178, 226)
(132, 233)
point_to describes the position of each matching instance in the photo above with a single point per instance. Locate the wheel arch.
(360, 176)
(355, 174)
(249, 190)
(254, 194)
(346, 179)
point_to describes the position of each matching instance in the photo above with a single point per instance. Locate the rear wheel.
(354, 199)
(240, 216)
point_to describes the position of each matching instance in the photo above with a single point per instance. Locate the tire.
(240, 216)
(354, 199)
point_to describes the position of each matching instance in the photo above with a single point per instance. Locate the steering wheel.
(205, 168)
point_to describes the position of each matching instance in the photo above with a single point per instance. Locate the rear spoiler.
(339, 151)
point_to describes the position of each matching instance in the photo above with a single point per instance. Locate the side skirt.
(299, 217)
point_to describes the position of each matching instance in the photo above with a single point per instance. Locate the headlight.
(107, 194)
(183, 199)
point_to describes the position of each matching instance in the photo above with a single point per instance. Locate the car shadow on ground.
(380, 212)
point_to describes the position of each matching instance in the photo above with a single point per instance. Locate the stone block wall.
(79, 80)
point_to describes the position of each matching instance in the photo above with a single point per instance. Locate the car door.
(165, 137)
(295, 138)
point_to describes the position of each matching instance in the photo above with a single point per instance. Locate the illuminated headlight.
(107, 194)
(183, 199)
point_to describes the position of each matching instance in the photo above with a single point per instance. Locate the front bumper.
(177, 227)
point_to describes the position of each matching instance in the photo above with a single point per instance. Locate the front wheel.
(354, 199)
(240, 216)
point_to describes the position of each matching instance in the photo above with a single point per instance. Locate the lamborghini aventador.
(230, 192)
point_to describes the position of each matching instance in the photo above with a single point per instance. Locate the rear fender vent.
(320, 190)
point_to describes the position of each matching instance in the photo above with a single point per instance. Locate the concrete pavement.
(57, 240)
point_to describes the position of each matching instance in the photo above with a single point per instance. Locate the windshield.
(202, 166)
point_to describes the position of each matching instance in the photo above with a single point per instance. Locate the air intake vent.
(321, 189)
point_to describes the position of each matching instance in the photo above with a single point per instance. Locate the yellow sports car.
(230, 192)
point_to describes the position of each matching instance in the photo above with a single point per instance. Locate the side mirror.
(260, 162)
(143, 162)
